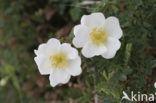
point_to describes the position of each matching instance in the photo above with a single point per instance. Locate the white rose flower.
(98, 36)
(59, 60)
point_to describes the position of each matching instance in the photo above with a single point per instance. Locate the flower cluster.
(95, 35)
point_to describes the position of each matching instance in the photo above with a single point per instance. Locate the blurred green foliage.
(24, 24)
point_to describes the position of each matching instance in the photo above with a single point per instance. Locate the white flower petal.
(80, 30)
(53, 46)
(112, 46)
(41, 49)
(43, 65)
(109, 54)
(53, 42)
(93, 20)
(113, 43)
(155, 84)
(81, 33)
(52, 82)
(49, 48)
(59, 76)
(71, 52)
(90, 50)
(113, 28)
(74, 67)
(36, 52)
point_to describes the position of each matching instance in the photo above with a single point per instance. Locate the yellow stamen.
(98, 36)
(59, 60)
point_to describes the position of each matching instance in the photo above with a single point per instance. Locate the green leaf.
(128, 52)
(105, 75)
(75, 14)
(123, 77)
(127, 71)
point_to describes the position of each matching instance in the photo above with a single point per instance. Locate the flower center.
(98, 36)
(59, 60)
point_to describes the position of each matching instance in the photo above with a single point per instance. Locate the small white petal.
(49, 48)
(81, 33)
(155, 84)
(109, 54)
(52, 82)
(53, 42)
(74, 67)
(59, 76)
(113, 28)
(112, 46)
(43, 65)
(41, 49)
(93, 20)
(113, 43)
(81, 30)
(36, 52)
(90, 50)
(71, 52)
(53, 46)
